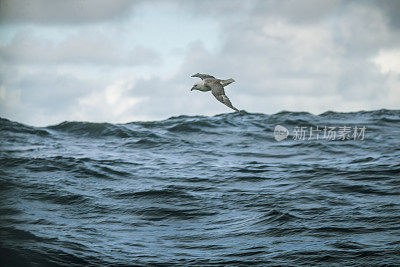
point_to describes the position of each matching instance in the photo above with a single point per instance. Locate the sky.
(120, 61)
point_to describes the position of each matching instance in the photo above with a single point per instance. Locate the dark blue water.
(201, 191)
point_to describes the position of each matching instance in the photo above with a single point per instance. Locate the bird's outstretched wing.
(203, 76)
(218, 91)
(226, 82)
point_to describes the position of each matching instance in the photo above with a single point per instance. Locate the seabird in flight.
(216, 86)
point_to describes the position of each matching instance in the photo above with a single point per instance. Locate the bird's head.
(196, 86)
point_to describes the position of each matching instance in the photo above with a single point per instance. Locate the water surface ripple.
(195, 190)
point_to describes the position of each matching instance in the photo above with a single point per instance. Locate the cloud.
(388, 61)
(293, 60)
(63, 12)
(110, 104)
(304, 12)
(42, 96)
(81, 48)
(392, 11)
(339, 55)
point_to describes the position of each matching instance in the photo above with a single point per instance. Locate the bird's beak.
(192, 88)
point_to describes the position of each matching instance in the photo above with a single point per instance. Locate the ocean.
(198, 190)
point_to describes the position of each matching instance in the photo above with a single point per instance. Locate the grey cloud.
(51, 91)
(392, 10)
(216, 9)
(305, 11)
(330, 52)
(84, 48)
(326, 54)
(42, 95)
(63, 12)
(279, 53)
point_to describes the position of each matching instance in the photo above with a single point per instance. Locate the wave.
(7, 126)
(203, 124)
(169, 192)
(91, 129)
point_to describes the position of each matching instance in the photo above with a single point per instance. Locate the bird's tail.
(226, 82)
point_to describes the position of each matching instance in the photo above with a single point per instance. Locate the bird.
(216, 86)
